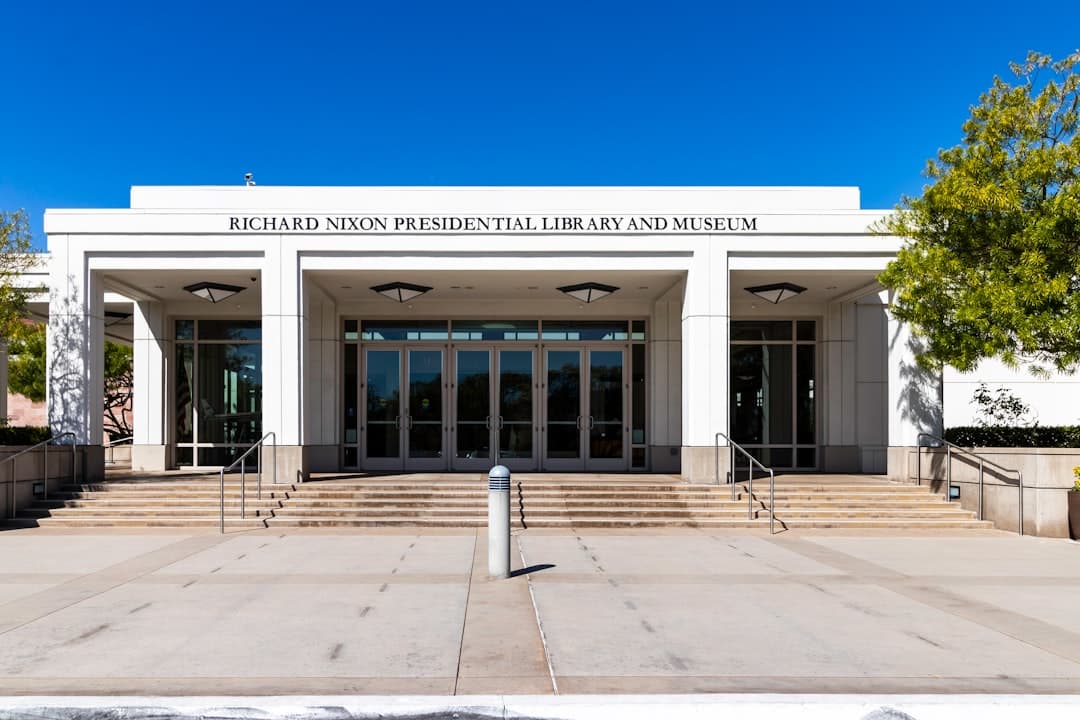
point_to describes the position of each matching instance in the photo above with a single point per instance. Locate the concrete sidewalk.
(402, 612)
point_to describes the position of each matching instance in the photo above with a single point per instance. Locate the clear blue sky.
(102, 96)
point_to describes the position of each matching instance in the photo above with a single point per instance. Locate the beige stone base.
(150, 458)
(699, 465)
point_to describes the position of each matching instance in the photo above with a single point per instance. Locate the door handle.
(577, 423)
(592, 423)
(487, 421)
(500, 417)
(397, 422)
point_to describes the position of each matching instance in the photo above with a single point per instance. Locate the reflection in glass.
(349, 402)
(804, 393)
(563, 403)
(761, 330)
(425, 403)
(185, 369)
(230, 394)
(495, 330)
(381, 330)
(590, 330)
(473, 404)
(606, 404)
(761, 394)
(516, 403)
(383, 412)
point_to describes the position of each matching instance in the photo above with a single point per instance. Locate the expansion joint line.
(539, 623)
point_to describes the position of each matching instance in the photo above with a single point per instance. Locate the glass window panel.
(352, 330)
(806, 330)
(473, 440)
(425, 385)
(473, 385)
(230, 393)
(585, 330)
(383, 386)
(185, 369)
(350, 459)
(383, 440)
(804, 394)
(564, 385)
(185, 329)
(806, 458)
(234, 330)
(223, 456)
(637, 457)
(637, 330)
(564, 441)
(350, 403)
(494, 330)
(761, 394)
(516, 386)
(516, 440)
(380, 330)
(184, 456)
(761, 330)
(637, 391)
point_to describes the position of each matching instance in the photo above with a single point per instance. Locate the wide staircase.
(537, 501)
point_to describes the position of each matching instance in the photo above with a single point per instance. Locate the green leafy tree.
(26, 375)
(26, 361)
(991, 266)
(15, 259)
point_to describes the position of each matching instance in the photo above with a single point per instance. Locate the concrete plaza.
(408, 612)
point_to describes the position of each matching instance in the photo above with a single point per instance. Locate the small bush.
(25, 435)
(1060, 436)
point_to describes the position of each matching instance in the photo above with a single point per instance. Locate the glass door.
(515, 416)
(422, 419)
(605, 419)
(564, 425)
(403, 426)
(382, 420)
(473, 425)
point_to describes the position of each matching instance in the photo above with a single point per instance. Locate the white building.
(489, 352)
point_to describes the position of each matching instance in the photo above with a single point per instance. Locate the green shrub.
(1060, 436)
(26, 435)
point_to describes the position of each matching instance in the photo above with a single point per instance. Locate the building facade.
(445, 329)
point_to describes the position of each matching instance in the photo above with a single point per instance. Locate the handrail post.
(750, 491)
(73, 461)
(918, 461)
(45, 478)
(981, 488)
(716, 458)
(222, 488)
(258, 468)
(731, 467)
(243, 486)
(772, 502)
(1020, 482)
(948, 473)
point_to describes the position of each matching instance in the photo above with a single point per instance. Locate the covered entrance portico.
(492, 362)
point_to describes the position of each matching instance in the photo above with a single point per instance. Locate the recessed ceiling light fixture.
(213, 291)
(776, 292)
(401, 292)
(588, 292)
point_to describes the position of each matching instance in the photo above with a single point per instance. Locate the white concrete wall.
(663, 362)
(321, 385)
(871, 383)
(1054, 400)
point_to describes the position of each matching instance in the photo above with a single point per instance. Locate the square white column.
(150, 345)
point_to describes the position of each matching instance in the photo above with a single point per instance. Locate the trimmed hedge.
(23, 435)
(1059, 436)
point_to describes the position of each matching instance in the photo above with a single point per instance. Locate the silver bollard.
(499, 522)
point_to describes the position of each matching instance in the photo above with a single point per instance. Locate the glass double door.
(557, 408)
(586, 423)
(494, 391)
(404, 400)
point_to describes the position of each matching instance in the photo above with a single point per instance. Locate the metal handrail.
(45, 463)
(242, 460)
(733, 446)
(114, 443)
(949, 447)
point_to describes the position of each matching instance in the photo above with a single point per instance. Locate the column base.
(292, 464)
(149, 458)
(699, 465)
